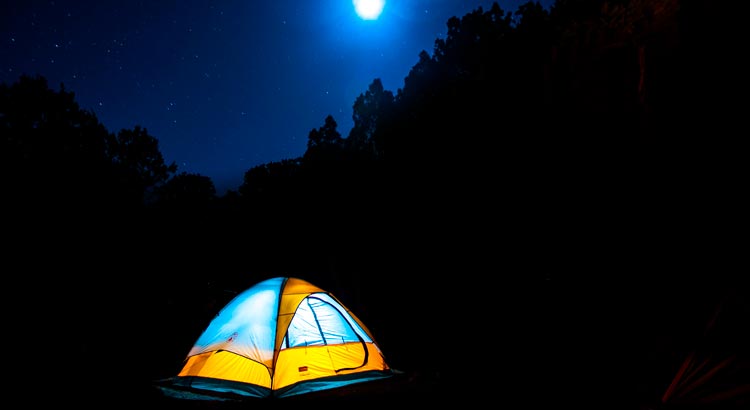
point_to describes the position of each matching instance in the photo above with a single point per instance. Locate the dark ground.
(538, 345)
(581, 323)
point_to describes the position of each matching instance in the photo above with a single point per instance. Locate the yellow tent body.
(281, 337)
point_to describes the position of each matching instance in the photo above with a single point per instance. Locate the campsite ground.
(479, 340)
(400, 389)
(544, 346)
(538, 348)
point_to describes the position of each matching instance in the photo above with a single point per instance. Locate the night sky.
(223, 85)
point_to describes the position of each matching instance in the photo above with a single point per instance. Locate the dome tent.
(281, 337)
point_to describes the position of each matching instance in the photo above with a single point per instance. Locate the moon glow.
(368, 9)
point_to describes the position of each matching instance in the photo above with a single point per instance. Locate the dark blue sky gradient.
(223, 85)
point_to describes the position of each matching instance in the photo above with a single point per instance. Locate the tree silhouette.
(53, 151)
(186, 190)
(325, 142)
(269, 180)
(371, 110)
(139, 163)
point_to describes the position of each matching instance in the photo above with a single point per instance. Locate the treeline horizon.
(584, 79)
(602, 120)
(590, 113)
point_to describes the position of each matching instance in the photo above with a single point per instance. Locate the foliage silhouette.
(56, 153)
(371, 112)
(186, 190)
(549, 116)
(324, 143)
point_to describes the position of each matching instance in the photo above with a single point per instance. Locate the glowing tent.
(279, 338)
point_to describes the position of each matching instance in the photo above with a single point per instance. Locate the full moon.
(368, 9)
